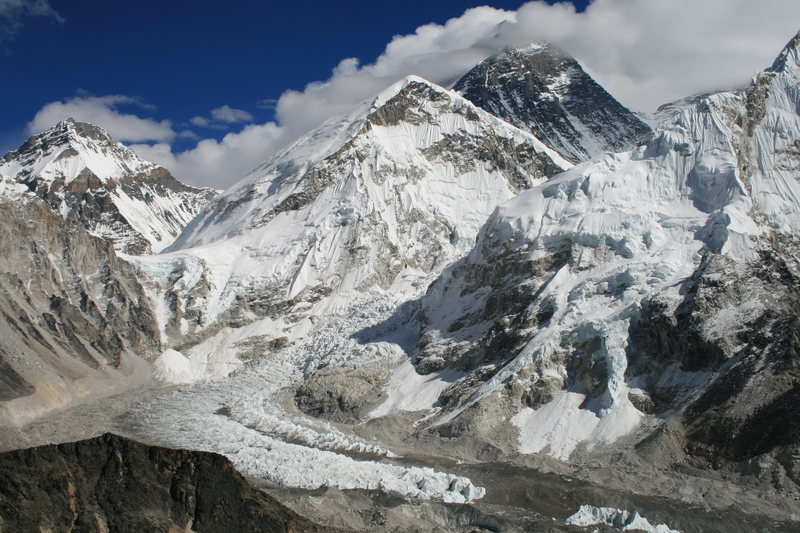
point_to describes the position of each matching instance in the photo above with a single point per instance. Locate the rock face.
(341, 395)
(398, 186)
(542, 90)
(84, 174)
(74, 319)
(652, 291)
(109, 483)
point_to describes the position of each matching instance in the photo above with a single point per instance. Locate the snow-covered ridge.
(80, 171)
(444, 111)
(393, 189)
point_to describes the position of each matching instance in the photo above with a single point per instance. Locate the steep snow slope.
(543, 90)
(81, 172)
(652, 291)
(393, 189)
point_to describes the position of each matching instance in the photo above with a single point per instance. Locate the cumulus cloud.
(267, 103)
(218, 164)
(439, 53)
(13, 14)
(104, 111)
(645, 52)
(221, 118)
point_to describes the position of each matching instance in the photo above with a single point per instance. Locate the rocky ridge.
(109, 483)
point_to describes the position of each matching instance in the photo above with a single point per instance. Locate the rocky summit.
(543, 90)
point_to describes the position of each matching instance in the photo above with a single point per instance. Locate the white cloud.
(228, 114)
(14, 12)
(188, 134)
(221, 118)
(102, 111)
(645, 52)
(267, 103)
(440, 53)
(215, 163)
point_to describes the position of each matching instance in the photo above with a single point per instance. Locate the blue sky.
(188, 58)
(210, 89)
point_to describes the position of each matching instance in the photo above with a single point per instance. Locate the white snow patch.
(174, 367)
(559, 426)
(409, 391)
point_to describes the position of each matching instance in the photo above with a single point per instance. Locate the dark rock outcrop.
(109, 483)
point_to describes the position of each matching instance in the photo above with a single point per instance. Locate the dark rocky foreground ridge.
(110, 483)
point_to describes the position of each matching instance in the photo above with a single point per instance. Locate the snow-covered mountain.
(389, 191)
(81, 172)
(543, 90)
(648, 297)
(638, 309)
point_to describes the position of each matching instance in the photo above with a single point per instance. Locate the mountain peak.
(398, 87)
(67, 150)
(543, 90)
(84, 130)
(536, 48)
(79, 170)
(392, 189)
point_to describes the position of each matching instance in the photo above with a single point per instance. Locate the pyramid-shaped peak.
(543, 90)
(80, 171)
(69, 132)
(536, 48)
(539, 57)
